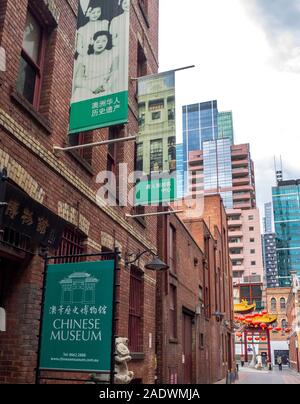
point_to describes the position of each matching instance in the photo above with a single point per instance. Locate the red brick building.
(194, 299)
(35, 93)
(293, 314)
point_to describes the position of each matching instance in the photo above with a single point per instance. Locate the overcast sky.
(247, 56)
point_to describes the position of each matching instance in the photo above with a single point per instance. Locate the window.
(156, 155)
(172, 249)
(253, 263)
(273, 304)
(252, 240)
(282, 304)
(136, 309)
(31, 63)
(283, 324)
(251, 228)
(251, 217)
(80, 139)
(141, 62)
(156, 116)
(173, 312)
(252, 251)
(71, 244)
(201, 341)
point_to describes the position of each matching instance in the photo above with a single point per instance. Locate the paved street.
(250, 376)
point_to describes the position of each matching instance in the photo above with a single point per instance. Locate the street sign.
(77, 325)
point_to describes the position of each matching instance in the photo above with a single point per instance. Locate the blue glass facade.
(225, 126)
(180, 170)
(200, 124)
(218, 169)
(286, 204)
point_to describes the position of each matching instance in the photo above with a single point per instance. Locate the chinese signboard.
(100, 79)
(78, 317)
(29, 218)
(156, 144)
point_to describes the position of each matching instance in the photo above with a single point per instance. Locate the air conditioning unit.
(2, 320)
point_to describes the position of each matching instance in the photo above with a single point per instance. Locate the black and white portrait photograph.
(101, 55)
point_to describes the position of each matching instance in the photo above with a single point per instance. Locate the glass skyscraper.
(200, 124)
(225, 126)
(286, 203)
(218, 169)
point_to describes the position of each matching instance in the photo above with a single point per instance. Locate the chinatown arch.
(254, 328)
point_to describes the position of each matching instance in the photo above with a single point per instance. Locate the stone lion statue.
(123, 375)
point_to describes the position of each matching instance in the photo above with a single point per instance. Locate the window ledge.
(141, 221)
(82, 162)
(33, 112)
(137, 356)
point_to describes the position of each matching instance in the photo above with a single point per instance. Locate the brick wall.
(202, 262)
(26, 149)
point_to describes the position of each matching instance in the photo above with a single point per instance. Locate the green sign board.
(78, 317)
(155, 191)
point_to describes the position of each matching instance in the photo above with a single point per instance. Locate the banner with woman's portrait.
(100, 78)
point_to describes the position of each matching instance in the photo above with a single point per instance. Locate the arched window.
(273, 304)
(282, 304)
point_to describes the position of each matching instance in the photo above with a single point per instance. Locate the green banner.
(99, 113)
(78, 317)
(155, 191)
(100, 77)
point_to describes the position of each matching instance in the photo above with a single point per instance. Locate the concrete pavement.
(252, 376)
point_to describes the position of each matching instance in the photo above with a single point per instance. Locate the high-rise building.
(286, 203)
(270, 260)
(225, 126)
(217, 169)
(224, 169)
(268, 228)
(229, 170)
(200, 124)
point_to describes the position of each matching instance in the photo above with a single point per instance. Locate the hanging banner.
(100, 78)
(156, 143)
(78, 317)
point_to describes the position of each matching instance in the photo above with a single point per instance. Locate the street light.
(155, 265)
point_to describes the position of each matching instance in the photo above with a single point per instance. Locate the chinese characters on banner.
(100, 78)
(156, 144)
(29, 218)
(78, 317)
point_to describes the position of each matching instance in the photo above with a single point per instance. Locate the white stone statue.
(259, 364)
(253, 362)
(123, 375)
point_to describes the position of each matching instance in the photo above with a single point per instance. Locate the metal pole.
(170, 212)
(88, 145)
(114, 329)
(37, 373)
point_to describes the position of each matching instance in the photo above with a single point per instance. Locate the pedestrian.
(279, 361)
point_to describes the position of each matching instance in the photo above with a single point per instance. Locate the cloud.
(280, 20)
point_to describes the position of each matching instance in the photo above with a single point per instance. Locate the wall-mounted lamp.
(155, 265)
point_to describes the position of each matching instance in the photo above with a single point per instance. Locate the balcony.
(236, 257)
(238, 163)
(240, 172)
(243, 205)
(241, 196)
(235, 223)
(241, 181)
(235, 233)
(236, 245)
